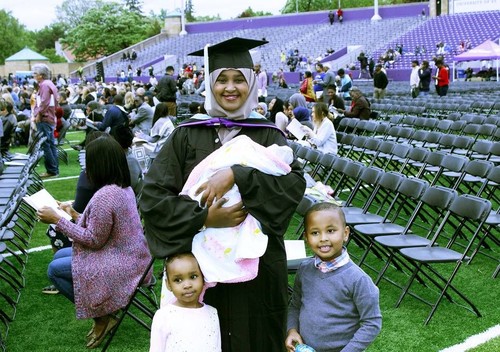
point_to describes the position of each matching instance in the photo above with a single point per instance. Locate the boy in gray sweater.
(335, 305)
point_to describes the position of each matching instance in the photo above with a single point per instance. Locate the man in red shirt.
(442, 77)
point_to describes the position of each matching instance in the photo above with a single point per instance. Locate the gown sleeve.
(170, 220)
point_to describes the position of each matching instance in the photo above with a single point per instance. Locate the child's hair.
(324, 206)
(171, 258)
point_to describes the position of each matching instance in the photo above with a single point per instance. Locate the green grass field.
(48, 323)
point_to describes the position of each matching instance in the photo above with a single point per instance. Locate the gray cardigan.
(335, 311)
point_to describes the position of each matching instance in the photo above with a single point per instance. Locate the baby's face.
(326, 234)
(185, 280)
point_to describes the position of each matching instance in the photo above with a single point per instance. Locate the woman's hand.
(48, 215)
(67, 207)
(292, 339)
(215, 187)
(309, 133)
(219, 216)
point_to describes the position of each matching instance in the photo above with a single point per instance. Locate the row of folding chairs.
(471, 176)
(17, 221)
(432, 123)
(468, 176)
(431, 107)
(401, 205)
(404, 139)
(399, 124)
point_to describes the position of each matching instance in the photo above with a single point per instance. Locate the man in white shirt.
(414, 79)
(261, 82)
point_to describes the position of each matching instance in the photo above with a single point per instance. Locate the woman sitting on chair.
(162, 127)
(109, 254)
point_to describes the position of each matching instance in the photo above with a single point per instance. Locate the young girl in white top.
(186, 324)
(323, 136)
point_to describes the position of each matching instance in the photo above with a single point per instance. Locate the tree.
(14, 36)
(134, 6)
(251, 13)
(207, 18)
(189, 11)
(105, 30)
(71, 12)
(48, 35)
(52, 56)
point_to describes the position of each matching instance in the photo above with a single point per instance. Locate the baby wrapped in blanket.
(232, 254)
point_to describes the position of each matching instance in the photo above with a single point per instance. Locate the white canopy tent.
(485, 51)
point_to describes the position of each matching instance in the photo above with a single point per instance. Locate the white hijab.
(215, 110)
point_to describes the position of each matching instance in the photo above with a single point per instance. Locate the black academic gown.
(252, 314)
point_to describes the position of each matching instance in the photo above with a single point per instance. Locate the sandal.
(95, 341)
(50, 290)
(90, 334)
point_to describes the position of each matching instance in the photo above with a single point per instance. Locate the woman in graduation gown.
(252, 314)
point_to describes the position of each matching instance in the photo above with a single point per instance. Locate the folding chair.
(345, 144)
(466, 210)
(494, 152)
(356, 147)
(443, 126)
(398, 155)
(143, 299)
(346, 183)
(384, 151)
(301, 155)
(457, 126)
(429, 140)
(311, 159)
(417, 156)
(380, 202)
(480, 149)
(367, 180)
(335, 173)
(305, 204)
(369, 148)
(324, 164)
(407, 196)
(455, 144)
(471, 179)
(449, 163)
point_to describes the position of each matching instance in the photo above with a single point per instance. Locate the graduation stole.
(253, 121)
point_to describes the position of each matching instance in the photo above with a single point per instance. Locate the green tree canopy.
(134, 5)
(71, 12)
(251, 13)
(105, 30)
(48, 35)
(14, 36)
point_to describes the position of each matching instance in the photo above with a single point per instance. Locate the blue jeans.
(59, 272)
(49, 147)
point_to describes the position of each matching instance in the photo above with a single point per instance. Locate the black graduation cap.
(232, 53)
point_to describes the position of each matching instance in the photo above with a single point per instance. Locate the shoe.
(48, 174)
(76, 147)
(96, 341)
(90, 335)
(50, 290)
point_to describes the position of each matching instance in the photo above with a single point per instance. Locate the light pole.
(376, 16)
(183, 19)
(297, 6)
